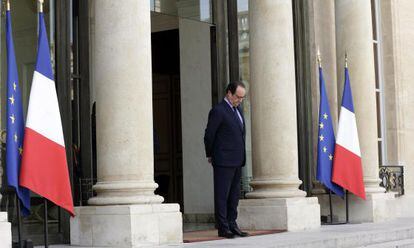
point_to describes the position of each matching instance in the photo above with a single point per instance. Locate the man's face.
(238, 96)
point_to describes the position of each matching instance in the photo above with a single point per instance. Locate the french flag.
(44, 167)
(347, 165)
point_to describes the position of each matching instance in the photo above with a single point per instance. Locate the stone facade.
(398, 60)
(127, 213)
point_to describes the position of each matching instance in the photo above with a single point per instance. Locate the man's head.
(235, 93)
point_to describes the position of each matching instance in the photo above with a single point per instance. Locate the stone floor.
(396, 233)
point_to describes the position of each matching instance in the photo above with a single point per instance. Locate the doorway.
(167, 116)
(182, 93)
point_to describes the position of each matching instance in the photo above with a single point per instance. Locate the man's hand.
(209, 160)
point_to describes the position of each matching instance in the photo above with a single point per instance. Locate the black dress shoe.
(225, 234)
(239, 232)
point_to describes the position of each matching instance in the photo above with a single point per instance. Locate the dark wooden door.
(168, 171)
(167, 137)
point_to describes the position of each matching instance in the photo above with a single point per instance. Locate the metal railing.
(85, 190)
(392, 178)
(245, 186)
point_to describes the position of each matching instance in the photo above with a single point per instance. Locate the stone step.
(397, 233)
(400, 231)
(405, 243)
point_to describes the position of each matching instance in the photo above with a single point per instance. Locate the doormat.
(209, 235)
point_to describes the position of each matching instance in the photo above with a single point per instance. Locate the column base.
(292, 214)
(126, 225)
(376, 208)
(403, 206)
(5, 230)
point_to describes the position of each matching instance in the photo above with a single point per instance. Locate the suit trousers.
(226, 196)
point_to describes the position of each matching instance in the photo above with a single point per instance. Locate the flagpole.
(19, 222)
(330, 205)
(40, 6)
(19, 218)
(40, 10)
(319, 59)
(346, 192)
(346, 59)
(347, 207)
(16, 161)
(46, 232)
(330, 191)
(45, 222)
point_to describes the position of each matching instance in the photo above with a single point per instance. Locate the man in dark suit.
(224, 141)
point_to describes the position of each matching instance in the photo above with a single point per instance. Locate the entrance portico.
(130, 98)
(125, 212)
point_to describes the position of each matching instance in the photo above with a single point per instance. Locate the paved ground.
(396, 233)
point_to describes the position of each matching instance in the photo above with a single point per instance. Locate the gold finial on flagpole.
(346, 59)
(8, 5)
(319, 59)
(40, 6)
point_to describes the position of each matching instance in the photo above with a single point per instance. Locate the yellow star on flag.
(20, 150)
(12, 118)
(14, 86)
(321, 125)
(11, 99)
(325, 116)
(330, 157)
(324, 149)
(321, 138)
(15, 137)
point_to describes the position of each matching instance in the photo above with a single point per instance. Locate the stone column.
(354, 35)
(276, 201)
(127, 213)
(123, 86)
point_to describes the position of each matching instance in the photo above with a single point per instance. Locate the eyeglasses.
(239, 97)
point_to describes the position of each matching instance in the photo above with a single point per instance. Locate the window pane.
(374, 22)
(379, 123)
(380, 152)
(200, 10)
(377, 86)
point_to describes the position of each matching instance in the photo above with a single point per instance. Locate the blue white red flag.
(347, 165)
(44, 165)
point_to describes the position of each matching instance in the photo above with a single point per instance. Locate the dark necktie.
(237, 116)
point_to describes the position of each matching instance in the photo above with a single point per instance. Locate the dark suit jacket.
(224, 137)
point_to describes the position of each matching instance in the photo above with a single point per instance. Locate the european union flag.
(15, 123)
(326, 141)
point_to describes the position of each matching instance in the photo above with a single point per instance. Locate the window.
(379, 80)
